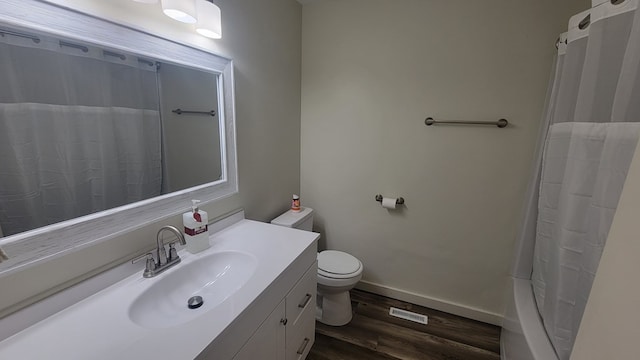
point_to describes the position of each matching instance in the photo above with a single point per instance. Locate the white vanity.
(258, 284)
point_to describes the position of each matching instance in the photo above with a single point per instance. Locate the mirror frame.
(42, 244)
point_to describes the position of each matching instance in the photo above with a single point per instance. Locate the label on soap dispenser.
(196, 231)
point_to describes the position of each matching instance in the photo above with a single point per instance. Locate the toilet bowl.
(338, 272)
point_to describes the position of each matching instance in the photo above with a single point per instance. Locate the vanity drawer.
(303, 296)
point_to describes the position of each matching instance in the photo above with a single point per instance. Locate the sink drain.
(195, 302)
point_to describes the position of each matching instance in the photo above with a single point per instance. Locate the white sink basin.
(214, 277)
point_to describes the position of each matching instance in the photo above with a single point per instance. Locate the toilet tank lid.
(292, 218)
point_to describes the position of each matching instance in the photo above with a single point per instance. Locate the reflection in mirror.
(85, 129)
(87, 126)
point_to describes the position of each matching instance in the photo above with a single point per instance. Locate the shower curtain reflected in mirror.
(70, 130)
(593, 119)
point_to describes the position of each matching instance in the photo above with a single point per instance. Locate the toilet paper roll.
(388, 203)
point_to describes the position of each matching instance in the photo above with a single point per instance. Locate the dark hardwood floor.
(375, 335)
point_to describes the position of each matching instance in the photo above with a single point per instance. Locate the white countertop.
(99, 326)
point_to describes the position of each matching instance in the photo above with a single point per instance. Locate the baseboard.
(437, 304)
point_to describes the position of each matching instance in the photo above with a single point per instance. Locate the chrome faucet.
(164, 262)
(162, 253)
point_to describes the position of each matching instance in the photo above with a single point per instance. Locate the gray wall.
(372, 71)
(263, 39)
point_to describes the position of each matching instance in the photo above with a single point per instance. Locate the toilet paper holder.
(399, 201)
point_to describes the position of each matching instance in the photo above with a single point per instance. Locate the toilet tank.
(302, 219)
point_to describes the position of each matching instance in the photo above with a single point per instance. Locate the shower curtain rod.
(80, 47)
(4, 32)
(585, 22)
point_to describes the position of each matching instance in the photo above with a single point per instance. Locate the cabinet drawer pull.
(284, 321)
(303, 346)
(304, 302)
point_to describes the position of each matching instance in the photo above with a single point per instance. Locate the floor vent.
(408, 315)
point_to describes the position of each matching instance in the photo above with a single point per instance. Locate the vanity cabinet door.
(289, 331)
(301, 338)
(301, 310)
(268, 342)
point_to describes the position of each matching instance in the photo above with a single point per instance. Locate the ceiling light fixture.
(203, 13)
(209, 22)
(181, 10)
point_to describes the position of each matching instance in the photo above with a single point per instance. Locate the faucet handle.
(150, 265)
(173, 253)
(3, 255)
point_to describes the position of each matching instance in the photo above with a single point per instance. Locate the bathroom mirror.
(101, 124)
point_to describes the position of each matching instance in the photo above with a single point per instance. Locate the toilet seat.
(338, 265)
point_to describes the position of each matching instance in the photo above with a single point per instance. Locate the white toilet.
(338, 272)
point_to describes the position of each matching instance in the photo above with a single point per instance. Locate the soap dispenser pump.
(196, 228)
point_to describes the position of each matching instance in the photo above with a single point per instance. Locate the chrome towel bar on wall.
(500, 123)
(180, 112)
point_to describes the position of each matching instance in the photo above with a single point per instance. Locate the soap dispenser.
(196, 228)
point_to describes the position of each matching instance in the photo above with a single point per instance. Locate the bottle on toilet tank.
(295, 203)
(196, 229)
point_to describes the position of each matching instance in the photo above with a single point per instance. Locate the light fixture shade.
(181, 10)
(209, 19)
(146, 1)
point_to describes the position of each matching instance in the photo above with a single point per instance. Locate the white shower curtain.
(61, 162)
(79, 132)
(589, 146)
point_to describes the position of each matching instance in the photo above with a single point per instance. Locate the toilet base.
(334, 309)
